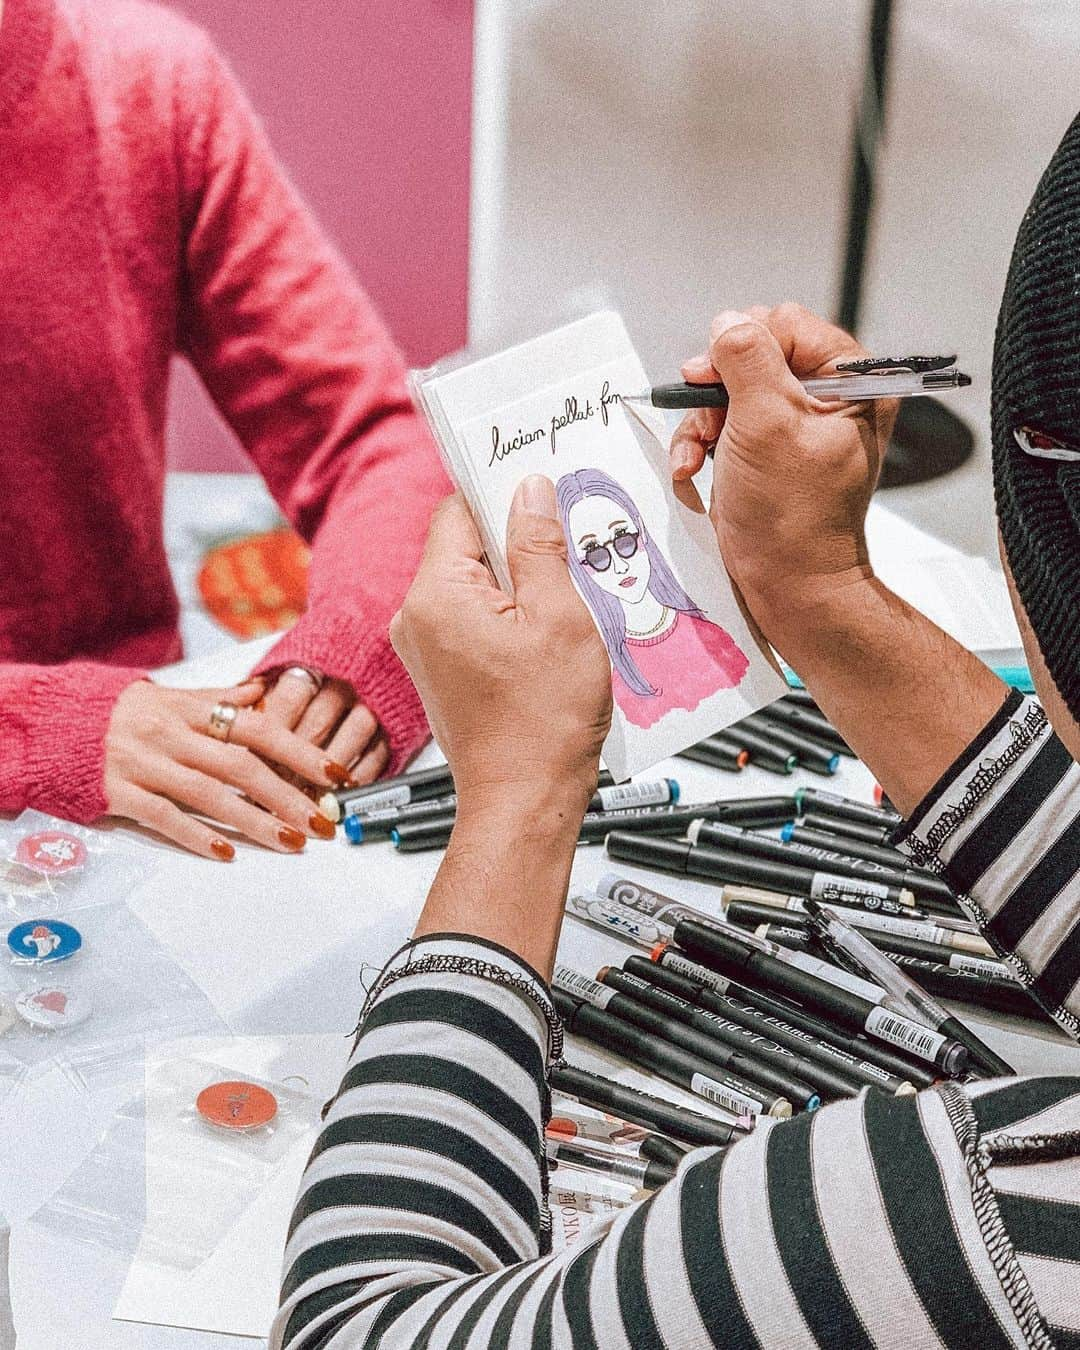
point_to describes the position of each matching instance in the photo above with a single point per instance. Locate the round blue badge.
(44, 941)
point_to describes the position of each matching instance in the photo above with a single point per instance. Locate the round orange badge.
(236, 1105)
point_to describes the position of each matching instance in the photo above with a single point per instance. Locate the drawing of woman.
(664, 652)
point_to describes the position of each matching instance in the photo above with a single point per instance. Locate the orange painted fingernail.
(337, 773)
(261, 705)
(291, 838)
(322, 826)
(221, 848)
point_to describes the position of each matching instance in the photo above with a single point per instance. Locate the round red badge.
(51, 851)
(236, 1105)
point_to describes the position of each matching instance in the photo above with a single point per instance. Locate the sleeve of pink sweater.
(299, 363)
(53, 722)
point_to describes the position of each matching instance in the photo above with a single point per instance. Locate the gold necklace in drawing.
(654, 629)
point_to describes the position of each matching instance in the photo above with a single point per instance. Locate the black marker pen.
(666, 1060)
(833, 860)
(875, 1053)
(729, 865)
(846, 829)
(417, 786)
(757, 895)
(362, 827)
(835, 1072)
(844, 808)
(799, 833)
(641, 1108)
(731, 955)
(972, 985)
(764, 751)
(417, 836)
(762, 1060)
(789, 927)
(662, 820)
(810, 722)
(718, 754)
(811, 754)
(726, 1065)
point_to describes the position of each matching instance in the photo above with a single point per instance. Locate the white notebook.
(685, 663)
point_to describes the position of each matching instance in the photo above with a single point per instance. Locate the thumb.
(751, 364)
(536, 544)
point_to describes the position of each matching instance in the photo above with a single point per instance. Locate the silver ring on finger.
(222, 717)
(302, 673)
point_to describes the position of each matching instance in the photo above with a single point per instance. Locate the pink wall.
(367, 103)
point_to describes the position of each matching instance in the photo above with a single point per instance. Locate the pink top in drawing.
(664, 652)
(686, 664)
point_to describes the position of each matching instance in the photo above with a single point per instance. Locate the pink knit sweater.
(144, 215)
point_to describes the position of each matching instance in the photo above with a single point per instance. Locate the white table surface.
(279, 943)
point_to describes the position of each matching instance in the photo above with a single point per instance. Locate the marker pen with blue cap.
(794, 831)
(806, 855)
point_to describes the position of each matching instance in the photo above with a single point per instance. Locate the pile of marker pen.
(821, 978)
(416, 811)
(786, 735)
(772, 1025)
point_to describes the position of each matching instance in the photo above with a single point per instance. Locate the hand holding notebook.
(684, 661)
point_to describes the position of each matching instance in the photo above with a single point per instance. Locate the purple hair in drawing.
(607, 609)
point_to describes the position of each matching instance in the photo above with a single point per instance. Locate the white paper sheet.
(236, 1290)
(684, 661)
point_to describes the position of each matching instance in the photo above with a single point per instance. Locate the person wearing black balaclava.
(950, 1217)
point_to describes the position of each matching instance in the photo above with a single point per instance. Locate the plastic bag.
(88, 990)
(166, 1178)
(50, 867)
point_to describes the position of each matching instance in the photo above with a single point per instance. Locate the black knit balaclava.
(1036, 385)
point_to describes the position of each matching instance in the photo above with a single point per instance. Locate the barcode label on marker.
(722, 1095)
(909, 1036)
(623, 795)
(825, 886)
(680, 964)
(981, 965)
(395, 796)
(580, 986)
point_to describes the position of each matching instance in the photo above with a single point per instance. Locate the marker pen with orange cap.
(718, 754)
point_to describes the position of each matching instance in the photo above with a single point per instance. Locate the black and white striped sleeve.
(1003, 826)
(421, 1218)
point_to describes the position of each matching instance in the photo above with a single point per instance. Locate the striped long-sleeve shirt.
(950, 1218)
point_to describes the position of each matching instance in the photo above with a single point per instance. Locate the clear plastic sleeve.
(96, 986)
(50, 867)
(167, 1182)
